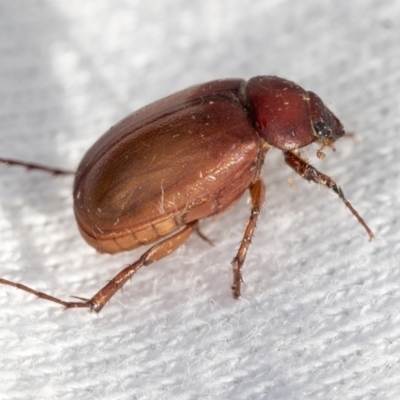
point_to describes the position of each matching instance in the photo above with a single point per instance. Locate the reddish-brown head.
(289, 117)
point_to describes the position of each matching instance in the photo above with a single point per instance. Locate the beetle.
(159, 171)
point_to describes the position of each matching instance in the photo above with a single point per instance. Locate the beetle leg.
(97, 302)
(39, 295)
(204, 237)
(257, 194)
(307, 171)
(30, 166)
(155, 253)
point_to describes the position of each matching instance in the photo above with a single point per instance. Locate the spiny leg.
(257, 194)
(98, 301)
(307, 171)
(31, 166)
(158, 251)
(39, 295)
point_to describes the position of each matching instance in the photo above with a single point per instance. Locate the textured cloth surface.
(319, 316)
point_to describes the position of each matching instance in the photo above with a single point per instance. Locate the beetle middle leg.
(257, 194)
(98, 301)
(308, 172)
(204, 237)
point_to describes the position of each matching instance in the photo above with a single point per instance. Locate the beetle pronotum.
(186, 157)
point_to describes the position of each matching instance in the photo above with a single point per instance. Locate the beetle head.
(288, 117)
(326, 127)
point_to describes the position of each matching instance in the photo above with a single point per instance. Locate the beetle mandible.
(155, 174)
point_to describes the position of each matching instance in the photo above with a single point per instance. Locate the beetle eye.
(322, 130)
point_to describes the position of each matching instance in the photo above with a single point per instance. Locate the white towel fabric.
(319, 316)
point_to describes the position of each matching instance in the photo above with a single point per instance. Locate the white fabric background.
(319, 316)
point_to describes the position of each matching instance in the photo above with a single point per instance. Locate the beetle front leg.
(307, 171)
(257, 194)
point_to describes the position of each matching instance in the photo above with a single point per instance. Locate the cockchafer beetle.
(154, 175)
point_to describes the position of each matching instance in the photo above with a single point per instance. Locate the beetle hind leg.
(33, 166)
(155, 253)
(41, 295)
(257, 194)
(101, 298)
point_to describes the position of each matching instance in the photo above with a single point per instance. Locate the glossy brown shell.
(186, 157)
(282, 110)
(287, 116)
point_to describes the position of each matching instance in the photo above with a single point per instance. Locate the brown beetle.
(186, 157)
